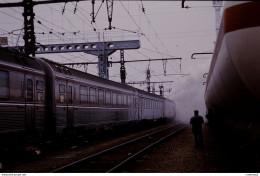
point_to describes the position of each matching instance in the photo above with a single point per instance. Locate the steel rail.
(144, 149)
(108, 150)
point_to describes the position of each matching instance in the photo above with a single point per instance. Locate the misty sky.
(164, 30)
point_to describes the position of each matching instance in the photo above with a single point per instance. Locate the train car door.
(69, 103)
(140, 108)
(29, 102)
(135, 106)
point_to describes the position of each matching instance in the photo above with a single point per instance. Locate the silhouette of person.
(196, 121)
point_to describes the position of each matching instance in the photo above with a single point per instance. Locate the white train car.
(233, 85)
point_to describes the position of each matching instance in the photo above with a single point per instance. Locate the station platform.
(179, 155)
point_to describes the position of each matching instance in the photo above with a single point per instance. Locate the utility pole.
(29, 36)
(217, 5)
(148, 76)
(161, 90)
(122, 68)
(28, 14)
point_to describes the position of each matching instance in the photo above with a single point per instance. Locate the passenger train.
(232, 93)
(42, 99)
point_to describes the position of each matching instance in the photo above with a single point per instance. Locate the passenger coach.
(40, 98)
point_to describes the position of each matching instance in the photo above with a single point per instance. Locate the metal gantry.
(100, 49)
(29, 36)
(93, 48)
(122, 62)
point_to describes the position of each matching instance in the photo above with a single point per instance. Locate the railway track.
(112, 159)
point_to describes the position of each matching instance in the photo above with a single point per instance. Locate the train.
(232, 94)
(41, 99)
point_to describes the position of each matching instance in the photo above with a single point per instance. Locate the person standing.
(196, 121)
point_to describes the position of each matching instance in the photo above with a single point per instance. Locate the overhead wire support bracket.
(144, 82)
(110, 12)
(90, 47)
(192, 56)
(118, 62)
(19, 4)
(93, 11)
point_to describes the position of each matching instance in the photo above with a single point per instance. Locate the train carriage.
(22, 92)
(232, 90)
(42, 99)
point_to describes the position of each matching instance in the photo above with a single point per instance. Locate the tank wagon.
(42, 99)
(232, 93)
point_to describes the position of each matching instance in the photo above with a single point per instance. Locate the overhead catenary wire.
(51, 24)
(49, 30)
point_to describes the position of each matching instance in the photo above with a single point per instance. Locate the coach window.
(101, 97)
(108, 98)
(92, 96)
(83, 94)
(125, 100)
(69, 94)
(4, 84)
(119, 101)
(39, 85)
(29, 90)
(114, 99)
(129, 101)
(39, 88)
(62, 93)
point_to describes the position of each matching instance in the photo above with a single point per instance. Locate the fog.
(190, 95)
(165, 30)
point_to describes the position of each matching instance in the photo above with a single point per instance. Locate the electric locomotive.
(232, 93)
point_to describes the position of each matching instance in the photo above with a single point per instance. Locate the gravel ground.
(179, 155)
(52, 160)
(176, 155)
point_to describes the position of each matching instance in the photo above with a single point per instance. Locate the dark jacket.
(196, 122)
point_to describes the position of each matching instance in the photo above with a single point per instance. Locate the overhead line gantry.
(122, 68)
(29, 35)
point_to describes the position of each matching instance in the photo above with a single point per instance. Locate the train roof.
(15, 58)
(61, 69)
